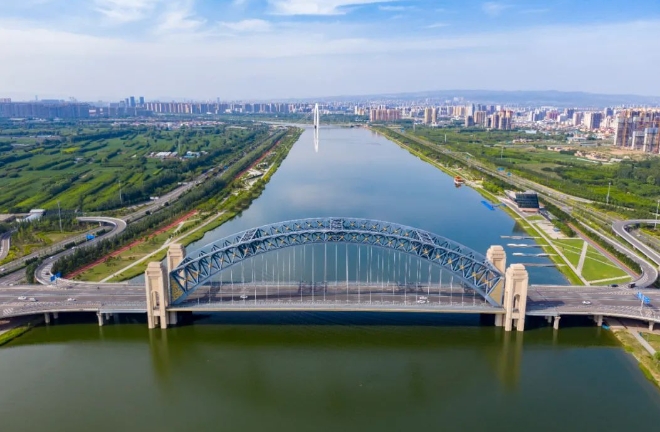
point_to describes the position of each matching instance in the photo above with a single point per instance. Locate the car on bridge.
(586, 302)
(22, 298)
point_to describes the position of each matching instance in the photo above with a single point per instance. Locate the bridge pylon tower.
(157, 282)
(515, 297)
(157, 295)
(317, 126)
(497, 257)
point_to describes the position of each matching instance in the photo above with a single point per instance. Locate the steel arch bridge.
(469, 266)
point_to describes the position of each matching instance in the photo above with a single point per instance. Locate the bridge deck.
(543, 300)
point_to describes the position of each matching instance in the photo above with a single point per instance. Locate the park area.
(590, 263)
(101, 167)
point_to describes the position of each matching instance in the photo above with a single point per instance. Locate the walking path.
(583, 255)
(642, 341)
(163, 247)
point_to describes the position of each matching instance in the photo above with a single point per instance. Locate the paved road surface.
(117, 224)
(87, 298)
(43, 272)
(543, 300)
(568, 300)
(620, 229)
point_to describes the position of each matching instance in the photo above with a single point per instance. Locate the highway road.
(620, 230)
(568, 300)
(118, 226)
(43, 272)
(16, 277)
(542, 301)
(83, 298)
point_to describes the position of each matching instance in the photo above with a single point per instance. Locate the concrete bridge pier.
(47, 318)
(56, 315)
(556, 323)
(101, 319)
(651, 325)
(599, 320)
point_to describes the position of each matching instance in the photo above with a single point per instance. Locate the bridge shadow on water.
(339, 318)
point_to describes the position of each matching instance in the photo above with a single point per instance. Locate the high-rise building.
(428, 115)
(45, 109)
(480, 118)
(382, 114)
(638, 130)
(651, 140)
(592, 120)
(141, 100)
(577, 118)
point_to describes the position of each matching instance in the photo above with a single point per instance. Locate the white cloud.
(494, 8)
(249, 25)
(393, 8)
(123, 11)
(316, 7)
(279, 64)
(437, 25)
(179, 17)
(535, 11)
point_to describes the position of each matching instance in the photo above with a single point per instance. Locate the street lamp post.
(59, 211)
(608, 192)
(655, 226)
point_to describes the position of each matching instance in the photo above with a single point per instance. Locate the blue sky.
(266, 49)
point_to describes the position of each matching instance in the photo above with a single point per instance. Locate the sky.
(277, 49)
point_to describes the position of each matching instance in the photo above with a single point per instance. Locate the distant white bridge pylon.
(317, 125)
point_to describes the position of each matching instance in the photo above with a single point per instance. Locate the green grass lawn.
(597, 267)
(571, 248)
(653, 340)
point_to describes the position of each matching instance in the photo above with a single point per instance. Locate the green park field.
(84, 168)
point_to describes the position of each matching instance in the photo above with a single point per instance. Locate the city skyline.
(268, 49)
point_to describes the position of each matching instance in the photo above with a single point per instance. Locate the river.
(321, 371)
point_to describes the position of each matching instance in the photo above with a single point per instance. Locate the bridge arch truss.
(472, 268)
